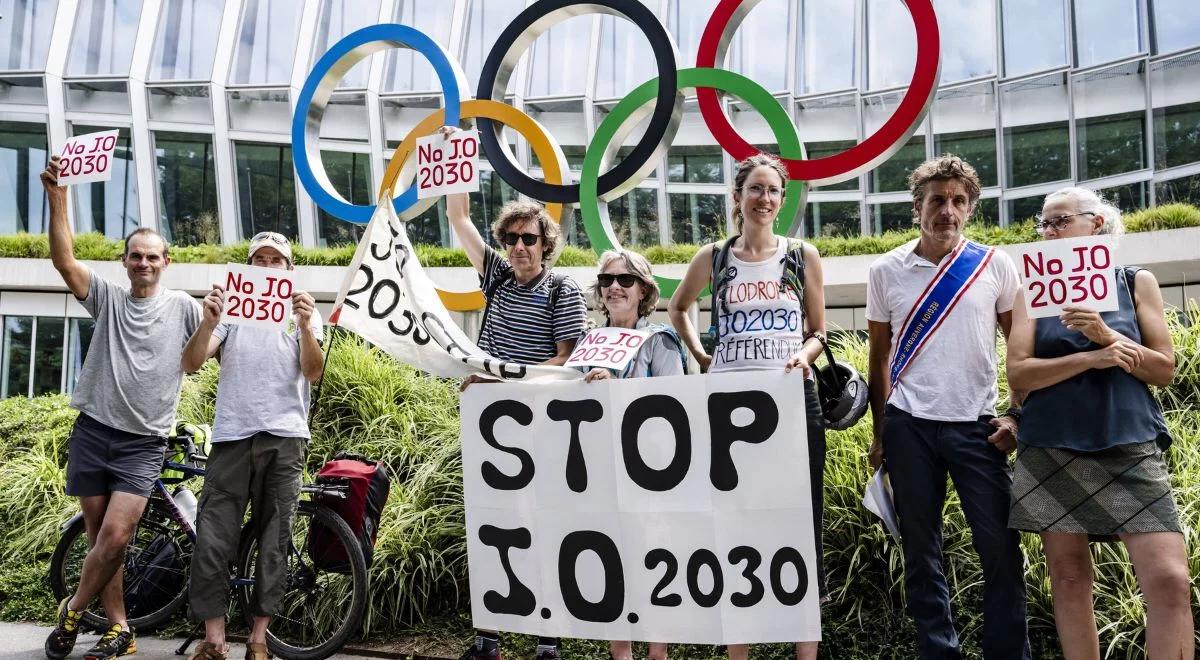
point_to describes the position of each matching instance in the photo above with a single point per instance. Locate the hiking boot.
(207, 651)
(114, 643)
(476, 652)
(61, 641)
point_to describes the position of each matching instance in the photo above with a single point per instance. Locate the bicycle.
(324, 601)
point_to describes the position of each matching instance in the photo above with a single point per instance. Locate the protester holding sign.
(768, 313)
(1090, 459)
(258, 447)
(126, 398)
(933, 305)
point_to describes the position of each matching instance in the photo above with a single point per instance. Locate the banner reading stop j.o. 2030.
(669, 509)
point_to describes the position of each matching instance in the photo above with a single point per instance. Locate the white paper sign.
(447, 165)
(609, 348)
(1069, 272)
(673, 509)
(258, 296)
(87, 158)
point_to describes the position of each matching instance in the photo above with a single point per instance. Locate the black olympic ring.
(520, 34)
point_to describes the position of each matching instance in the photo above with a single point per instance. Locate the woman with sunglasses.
(1090, 446)
(760, 282)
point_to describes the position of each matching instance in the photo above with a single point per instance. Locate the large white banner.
(671, 509)
(387, 299)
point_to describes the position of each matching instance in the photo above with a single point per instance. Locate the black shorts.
(101, 460)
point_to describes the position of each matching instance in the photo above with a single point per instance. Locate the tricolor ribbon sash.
(959, 271)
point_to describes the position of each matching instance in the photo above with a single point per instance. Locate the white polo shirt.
(953, 378)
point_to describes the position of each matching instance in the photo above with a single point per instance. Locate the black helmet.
(842, 393)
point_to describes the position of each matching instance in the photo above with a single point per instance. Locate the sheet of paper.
(87, 158)
(447, 165)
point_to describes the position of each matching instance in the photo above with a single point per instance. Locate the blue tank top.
(1099, 408)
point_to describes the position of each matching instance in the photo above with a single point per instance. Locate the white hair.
(1089, 201)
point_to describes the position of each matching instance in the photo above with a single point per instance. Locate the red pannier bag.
(368, 486)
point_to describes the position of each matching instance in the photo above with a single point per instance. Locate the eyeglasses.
(511, 238)
(269, 236)
(1058, 223)
(758, 191)
(626, 280)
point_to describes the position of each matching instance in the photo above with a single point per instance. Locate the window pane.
(891, 44)
(698, 164)
(25, 36)
(110, 207)
(48, 356)
(697, 218)
(1132, 197)
(825, 219)
(1106, 30)
(827, 58)
(829, 126)
(485, 20)
(104, 36)
(350, 174)
(623, 55)
(976, 147)
(634, 217)
(187, 188)
(968, 38)
(1034, 35)
(431, 227)
(560, 62)
(1110, 121)
(758, 50)
(266, 47)
(987, 212)
(339, 18)
(892, 174)
(686, 20)
(493, 194)
(573, 231)
(891, 217)
(1184, 190)
(1176, 25)
(1024, 209)
(266, 189)
(965, 122)
(186, 41)
(1036, 136)
(77, 347)
(407, 70)
(22, 157)
(14, 368)
(1175, 90)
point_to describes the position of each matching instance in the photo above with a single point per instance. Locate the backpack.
(362, 508)
(793, 276)
(655, 328)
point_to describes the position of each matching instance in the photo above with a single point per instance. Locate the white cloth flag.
(387, 299)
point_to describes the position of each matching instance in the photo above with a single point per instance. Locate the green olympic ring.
(605, 144)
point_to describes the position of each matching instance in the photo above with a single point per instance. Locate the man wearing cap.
(259, 442)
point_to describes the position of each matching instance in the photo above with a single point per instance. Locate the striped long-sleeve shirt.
(520, 325)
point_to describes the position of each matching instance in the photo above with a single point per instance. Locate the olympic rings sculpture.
(600, 181)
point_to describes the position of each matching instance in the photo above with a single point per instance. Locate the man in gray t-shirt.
(126, 398)
(259, 442)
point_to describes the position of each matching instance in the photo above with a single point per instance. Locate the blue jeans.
(919, 454)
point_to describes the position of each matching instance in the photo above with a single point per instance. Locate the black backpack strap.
(793, 268)
(720, 277)
(489, 294)
(556, 284)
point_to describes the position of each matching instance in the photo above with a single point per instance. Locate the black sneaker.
(114, 643)
(62, 639)
(476, 652)
(547, 653)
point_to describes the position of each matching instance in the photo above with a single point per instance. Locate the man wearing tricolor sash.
(933, 306)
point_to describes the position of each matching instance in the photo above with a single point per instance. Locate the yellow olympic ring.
(549, 155)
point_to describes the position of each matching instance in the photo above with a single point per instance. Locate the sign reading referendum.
(1068, 272)
(608, 348)
(87, 158)
(671, 509)
(258, 296)
(447, 165)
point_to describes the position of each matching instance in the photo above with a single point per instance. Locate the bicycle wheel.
(323, 603)
(155, 570)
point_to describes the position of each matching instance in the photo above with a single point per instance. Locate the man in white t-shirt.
(933, 306)
(260, 438)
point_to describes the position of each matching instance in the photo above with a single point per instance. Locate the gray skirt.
(1122, 490)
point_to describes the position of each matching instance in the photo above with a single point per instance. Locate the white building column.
(140, 141)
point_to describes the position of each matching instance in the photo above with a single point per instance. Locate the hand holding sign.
(447, 162)
(258, 296)
(1069, 273)
(87, 158)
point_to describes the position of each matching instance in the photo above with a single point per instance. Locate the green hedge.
(375, 406)
(96, 247)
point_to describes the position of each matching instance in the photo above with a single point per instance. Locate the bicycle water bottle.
(186, 501)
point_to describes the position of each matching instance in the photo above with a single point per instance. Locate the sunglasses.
(511, 238)
(270, 236)
(626, 280)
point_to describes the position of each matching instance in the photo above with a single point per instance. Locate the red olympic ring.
(878, 147)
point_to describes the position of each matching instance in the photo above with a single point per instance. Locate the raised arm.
(699, 274)
(879, 338)
(203, 344)
(458, 210)
(62, 243)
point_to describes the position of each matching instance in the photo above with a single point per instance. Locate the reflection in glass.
(18, 347)
(1037, 142)
(78, 341)
(339, 18)
(695, 164)
(23, 205)
(968, 38)
(1110, 121)
(104, 37)
(965, 121)
(110, 207)
(561, 58)
(266, 46)
(686, 20)
(987, 212)
(1106, 30)
(187, 188)
(891, 44)
(623, 55)
(408, 71)
(891, 217)
(1128, 198)
(1183, 190)
(266, 189)
(350, 174)
(758, 50)
(493, 194)
(828, 126)
(186, 40)
(432, 227)
(1175, 90)
(25, 35)
(816, 150)
(976, 147)
(697, 218)
(485, 20)
(827, 58)
(259, 110)
(1024, 209)
(892, 174)
(1176, 25)
(48, 356)
(827, 219)
(1035, 36)
(574, 232)
(181, 103)
(634, 217)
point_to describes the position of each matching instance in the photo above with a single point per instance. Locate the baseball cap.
(270, 239)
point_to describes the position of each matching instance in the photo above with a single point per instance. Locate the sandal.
(257, 651)
(207, 651)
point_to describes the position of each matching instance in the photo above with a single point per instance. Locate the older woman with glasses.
(1090, 446)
